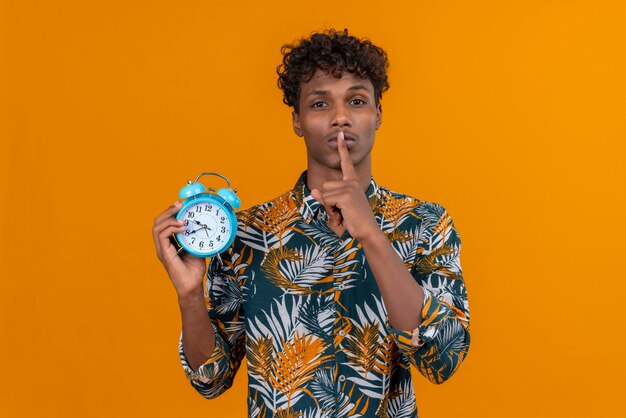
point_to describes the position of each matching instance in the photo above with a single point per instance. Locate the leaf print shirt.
(302, 305)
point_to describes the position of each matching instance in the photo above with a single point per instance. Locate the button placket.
(338, 324)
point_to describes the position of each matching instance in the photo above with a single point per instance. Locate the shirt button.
(341, 286)
(342, 378)
(342, 332)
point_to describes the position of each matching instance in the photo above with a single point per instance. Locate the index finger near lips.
(347, 168)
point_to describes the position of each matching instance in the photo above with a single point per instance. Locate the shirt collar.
(311, 209)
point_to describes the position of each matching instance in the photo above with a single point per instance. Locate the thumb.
(317, 195)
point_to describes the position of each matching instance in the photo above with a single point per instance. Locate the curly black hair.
(332, 52)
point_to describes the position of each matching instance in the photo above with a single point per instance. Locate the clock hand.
(193, 232)
(200, 223)
(204, 226)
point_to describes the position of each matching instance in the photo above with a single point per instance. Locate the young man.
(336, 288)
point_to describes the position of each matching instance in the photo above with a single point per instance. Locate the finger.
(334, 199)
(164, 240)
(329, 205)
(347, 168)
(168, 213)
(335, 216)
(317, 195)
(163, 236)
(333, 185)
(333, 213)
(158, 229)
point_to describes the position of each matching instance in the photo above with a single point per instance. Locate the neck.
(317, 175)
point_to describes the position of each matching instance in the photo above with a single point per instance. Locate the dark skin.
(331, 111)
(338, 119)
(186, 273)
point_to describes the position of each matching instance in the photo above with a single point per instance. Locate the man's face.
(329, 105)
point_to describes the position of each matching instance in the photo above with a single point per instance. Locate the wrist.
(373, 237)
(191, 297)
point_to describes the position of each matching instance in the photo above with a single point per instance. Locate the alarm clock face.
(207, 228)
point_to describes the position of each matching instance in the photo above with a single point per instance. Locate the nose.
(341, 117)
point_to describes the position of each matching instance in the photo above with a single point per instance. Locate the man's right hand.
(185, 270)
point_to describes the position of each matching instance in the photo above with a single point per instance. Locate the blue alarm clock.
(209, 218)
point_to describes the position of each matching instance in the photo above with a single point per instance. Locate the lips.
(349, 138)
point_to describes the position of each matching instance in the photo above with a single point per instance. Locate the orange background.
(510, 114)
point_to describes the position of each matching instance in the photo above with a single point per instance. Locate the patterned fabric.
(303, 306)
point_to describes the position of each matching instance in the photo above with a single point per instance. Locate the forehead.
(322, 82)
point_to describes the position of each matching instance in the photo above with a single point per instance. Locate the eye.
(358, 101)
(318, 104)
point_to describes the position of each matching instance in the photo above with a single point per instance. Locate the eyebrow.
(326, 92)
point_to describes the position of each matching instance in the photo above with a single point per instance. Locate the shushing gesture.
(345, 201)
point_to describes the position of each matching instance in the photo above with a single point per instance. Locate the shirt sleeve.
(224, 301)
(441, 342)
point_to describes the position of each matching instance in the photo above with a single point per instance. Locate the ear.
(379, 115)
(296, 123)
